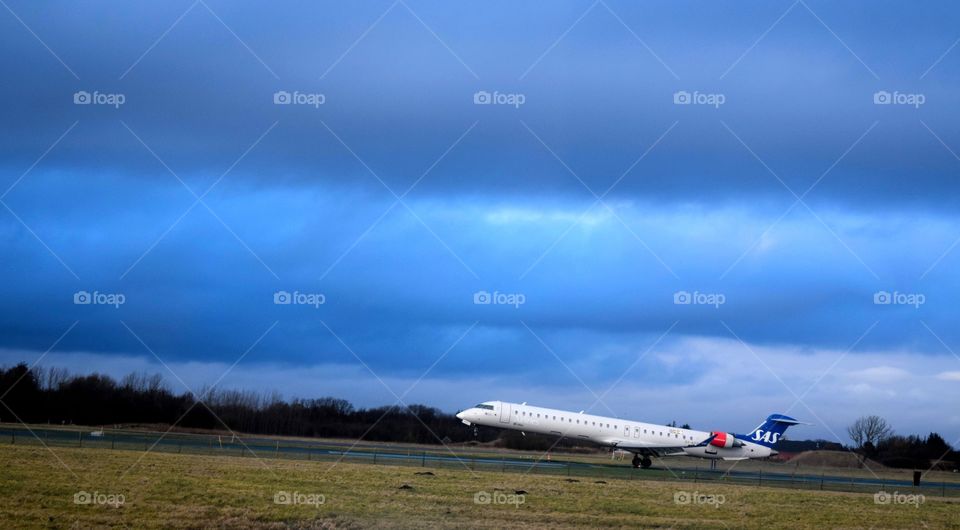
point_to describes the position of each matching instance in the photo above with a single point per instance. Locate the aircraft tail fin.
(769, 432)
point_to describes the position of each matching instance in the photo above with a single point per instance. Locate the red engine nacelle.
(724, 440)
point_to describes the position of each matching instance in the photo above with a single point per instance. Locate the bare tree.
(869, 430)
(134, 381)
(55, 376)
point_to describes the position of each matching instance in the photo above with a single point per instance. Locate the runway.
(468, 458)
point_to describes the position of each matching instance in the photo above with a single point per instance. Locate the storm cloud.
(515, 191)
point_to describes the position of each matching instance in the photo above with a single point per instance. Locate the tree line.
(873, 437)
(51, 395)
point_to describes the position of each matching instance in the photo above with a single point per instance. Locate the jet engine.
(724, 440)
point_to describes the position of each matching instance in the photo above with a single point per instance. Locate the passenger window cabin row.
(594, 424)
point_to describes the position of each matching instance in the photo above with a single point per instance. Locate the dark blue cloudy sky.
(600, 160)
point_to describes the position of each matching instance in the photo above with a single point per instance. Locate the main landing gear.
(643, 462)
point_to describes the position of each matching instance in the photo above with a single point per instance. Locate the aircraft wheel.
(646, 462)
(636, 461)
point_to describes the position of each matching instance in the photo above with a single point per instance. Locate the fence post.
(423, 459)
(80, 438)
(277, 453)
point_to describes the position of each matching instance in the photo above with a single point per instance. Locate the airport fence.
(447, 458)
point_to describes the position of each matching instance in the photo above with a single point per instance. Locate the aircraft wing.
(638, 446)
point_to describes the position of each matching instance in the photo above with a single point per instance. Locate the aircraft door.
(505, 413)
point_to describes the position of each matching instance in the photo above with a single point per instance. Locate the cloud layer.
(788, 169)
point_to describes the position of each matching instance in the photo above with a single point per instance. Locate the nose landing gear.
(643, 461)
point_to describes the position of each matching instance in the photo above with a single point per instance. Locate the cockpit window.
(484, 406)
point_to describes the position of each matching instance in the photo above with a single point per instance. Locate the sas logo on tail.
(766, 436)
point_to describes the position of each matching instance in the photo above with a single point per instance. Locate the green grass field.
(134, 489)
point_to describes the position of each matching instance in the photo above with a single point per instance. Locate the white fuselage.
(634, 436)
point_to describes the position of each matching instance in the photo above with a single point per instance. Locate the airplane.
(642, 439)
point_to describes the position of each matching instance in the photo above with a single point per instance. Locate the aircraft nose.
(460, 415)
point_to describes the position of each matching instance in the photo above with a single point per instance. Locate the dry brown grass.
(195, 491)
